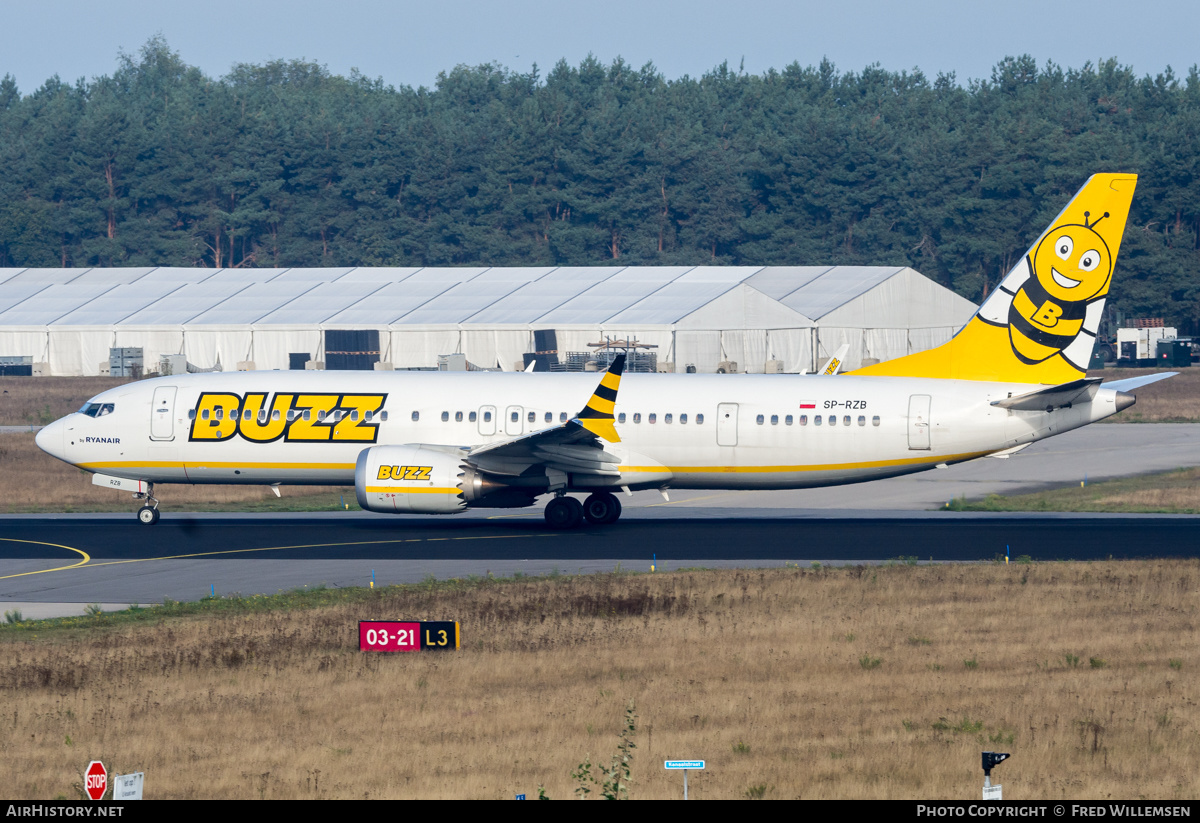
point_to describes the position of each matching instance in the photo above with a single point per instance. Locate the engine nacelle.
(408, 480)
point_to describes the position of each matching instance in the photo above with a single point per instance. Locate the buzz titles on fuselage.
(1071, 268)
(300, 417)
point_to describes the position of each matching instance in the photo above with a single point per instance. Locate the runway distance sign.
(407, 636)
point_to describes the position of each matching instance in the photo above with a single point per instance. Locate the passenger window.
(833, 419)
(320, 417)
(759, 420)
(275, 414)
(804, 420)
(816, 420)
(191, 414)
(487, 417)
(445, 417)
(846, 420)
(516, 417)
(787, 421)
(621, 417)
(875, 420)
(533, 417)
(219, 413)
(262, 415)
(307, 414)
(682, 419)
(471, 417)
(366, 417)
(416, 416)
(458, 417)
(699, 420)
(653, 418)
(383, 416)
(667, 419)
(637, 417)
(353, 415)
(862, 420)
(774, 420)
(562, 417)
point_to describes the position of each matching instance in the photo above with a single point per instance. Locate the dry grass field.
(1174, 400)
(866, 682)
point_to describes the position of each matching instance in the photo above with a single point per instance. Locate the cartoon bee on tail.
(1056, 306)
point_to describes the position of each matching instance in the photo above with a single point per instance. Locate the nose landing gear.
(148, 514)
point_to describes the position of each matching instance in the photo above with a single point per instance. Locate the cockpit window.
(96, 409)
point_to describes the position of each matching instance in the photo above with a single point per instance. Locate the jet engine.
(419, 479)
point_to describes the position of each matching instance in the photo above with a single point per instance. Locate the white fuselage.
(679, 431)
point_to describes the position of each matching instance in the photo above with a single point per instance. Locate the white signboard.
(993, 792)
(128, 786)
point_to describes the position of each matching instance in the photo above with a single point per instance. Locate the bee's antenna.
(1087, 214)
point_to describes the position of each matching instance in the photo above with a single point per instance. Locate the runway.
(108, 559)
(56, 564)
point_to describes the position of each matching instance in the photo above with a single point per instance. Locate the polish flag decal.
(808, 404)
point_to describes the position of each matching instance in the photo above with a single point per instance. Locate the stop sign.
(95, 780)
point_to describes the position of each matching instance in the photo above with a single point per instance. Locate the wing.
(576, 446)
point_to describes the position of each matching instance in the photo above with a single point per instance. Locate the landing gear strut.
(148, 514)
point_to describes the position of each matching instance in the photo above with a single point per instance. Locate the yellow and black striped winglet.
(597, 416)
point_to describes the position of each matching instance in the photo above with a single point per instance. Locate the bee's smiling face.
(1073, 263)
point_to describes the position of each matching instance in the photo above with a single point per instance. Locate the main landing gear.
(599, 509)
(147, 515)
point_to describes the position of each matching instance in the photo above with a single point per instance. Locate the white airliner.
(441, 442)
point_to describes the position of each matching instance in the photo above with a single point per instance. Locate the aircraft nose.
(51, 439)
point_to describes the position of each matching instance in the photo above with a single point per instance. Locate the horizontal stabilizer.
(1054, 397)
(1131, 383)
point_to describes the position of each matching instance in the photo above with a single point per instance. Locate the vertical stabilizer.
(1039, 325)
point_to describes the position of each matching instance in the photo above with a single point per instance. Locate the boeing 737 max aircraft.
(441, 442)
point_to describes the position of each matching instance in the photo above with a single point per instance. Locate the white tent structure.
(68, 319)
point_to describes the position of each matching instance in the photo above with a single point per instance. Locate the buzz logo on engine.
(404, 472)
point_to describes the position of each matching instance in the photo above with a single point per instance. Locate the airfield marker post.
(684, 765)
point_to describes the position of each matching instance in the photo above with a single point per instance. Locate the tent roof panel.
(613, 295)
(836, 287)
(777, 282)
(47, 276)
(532, 300)
(322, 302)
(318, 274)
(114, 275)
(182, 304)
(115, 304)
(251, 303)
(14, 293)
(393, 301)
(245, 276)
(6, 274)
(51, 303)
(379, 274)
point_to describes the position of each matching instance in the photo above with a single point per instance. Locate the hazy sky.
(409, 43)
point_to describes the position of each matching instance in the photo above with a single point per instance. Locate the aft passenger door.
(162, 412)
(727, 420)
(918, 422)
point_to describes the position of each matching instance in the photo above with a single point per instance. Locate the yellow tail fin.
(1039, 325)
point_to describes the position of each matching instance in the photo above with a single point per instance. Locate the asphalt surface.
(56, 564)
(109, 559)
